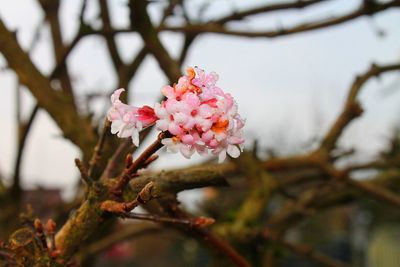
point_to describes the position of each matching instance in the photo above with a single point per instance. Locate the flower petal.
(233, 151)
(222, 156)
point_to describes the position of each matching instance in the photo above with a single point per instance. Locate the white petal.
(167, 141)
(162, 125)
(201, 149)
(116, 94)
(174, 148)
(186, 151)
(222, 156)
(116, 126)
(170, 145)
(125, 130)
(233, 151)
(135, 137)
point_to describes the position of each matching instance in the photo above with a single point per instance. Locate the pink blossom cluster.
(198, 114)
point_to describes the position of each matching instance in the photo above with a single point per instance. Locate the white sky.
(289, 89)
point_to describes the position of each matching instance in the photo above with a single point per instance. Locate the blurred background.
(290, 88)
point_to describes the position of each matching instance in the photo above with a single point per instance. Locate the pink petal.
(168, 92)
(235, 140)
(116, 94)
(207, 136)
(186, 151)
(174, 129)
(162, 125)
(187, 139)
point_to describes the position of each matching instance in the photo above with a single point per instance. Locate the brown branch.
(51, 10)
(121, 208)
(114, 161)
(140, 21)
(175, 181)
(296, 209)
(23, 135)
(366, 9)
(93, 173)
(112, 47)
(352, 108)
(375, 191)
(64, 53)
(306, 252)
(190, 222)
(169, 10)
(189, 39)
(261, 187)
(222, 246)
(83, 171)
(205, 236)
(74, 127)
(127, 71)
(127, 232)
(131, 170)
(267, 8)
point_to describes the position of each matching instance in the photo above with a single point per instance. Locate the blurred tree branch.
(314, 180)
(367, 8)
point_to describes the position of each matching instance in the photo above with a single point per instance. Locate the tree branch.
(352, 108)
(140, 21)
(366, 9)
(266, 9)
(306, 252)
(74, 127)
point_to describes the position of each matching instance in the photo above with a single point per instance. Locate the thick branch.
(177, 180)
(74, 127)
(141, 22)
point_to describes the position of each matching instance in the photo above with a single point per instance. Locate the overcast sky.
(289, 89)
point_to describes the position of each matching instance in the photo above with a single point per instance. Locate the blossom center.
(220, 126)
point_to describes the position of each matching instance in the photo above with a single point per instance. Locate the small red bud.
(203, 221)
(55, 253)
(38, 225)
(51, 226)
(128, 160)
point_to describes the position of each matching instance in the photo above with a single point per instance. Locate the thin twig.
(98, 150)
(191, 222)
(206, 236)
(375, 191)
(144, 196)
(112, 46)
(127, 174)
(128, 231)
(266, 9)
(24, 131)
(141, 22)
(352, 108)
(83, 171)
(364, 10)
(306, 252)
(118, 155)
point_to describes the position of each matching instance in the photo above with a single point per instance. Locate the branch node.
(83, 171)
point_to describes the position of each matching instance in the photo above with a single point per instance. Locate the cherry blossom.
(128, 121)
(199, 116)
